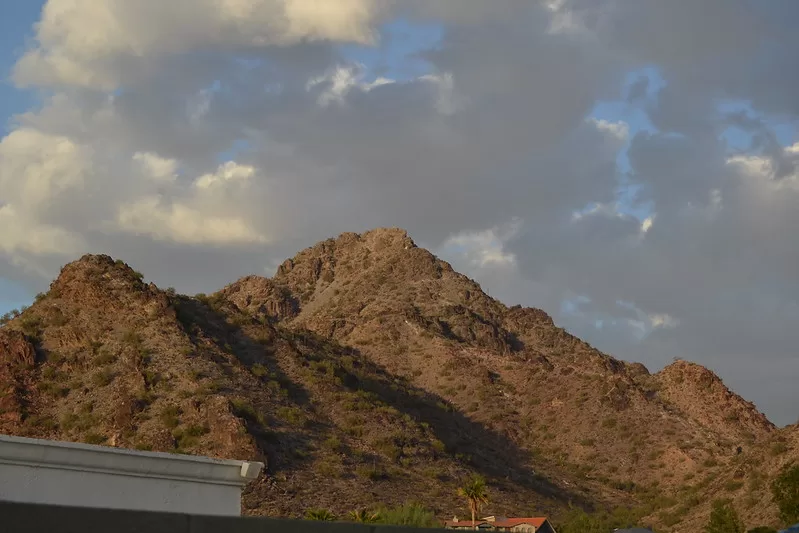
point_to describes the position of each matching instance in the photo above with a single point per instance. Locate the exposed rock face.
(17, 362)
(262, 297)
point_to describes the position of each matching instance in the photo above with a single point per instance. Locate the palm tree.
(476, 493)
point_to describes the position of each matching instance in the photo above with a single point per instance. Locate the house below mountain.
(503, 523)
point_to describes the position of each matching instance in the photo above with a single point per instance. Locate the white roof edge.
(87, 457)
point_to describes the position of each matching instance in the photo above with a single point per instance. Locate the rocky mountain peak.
(702, 394)
(95, 278)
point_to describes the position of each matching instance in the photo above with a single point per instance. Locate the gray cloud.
(498, 129)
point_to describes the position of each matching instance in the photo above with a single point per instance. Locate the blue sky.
(15, 28)
(397, 55)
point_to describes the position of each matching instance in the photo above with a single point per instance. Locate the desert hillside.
(367, 371)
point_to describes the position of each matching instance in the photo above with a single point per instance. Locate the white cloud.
(763, 169)
(662, 320)
(598, 209)
(564, 20)
(484, 248)
(36, 166)
(156, 167)
(339, 81)
(448, 101)
(184, 224)
(343, 20)
(620, 130)
(202, 216)
(101, 44)
(21, 235)
(228, 172)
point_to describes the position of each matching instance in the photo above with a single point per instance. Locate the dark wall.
(31, 518)
(546, 527)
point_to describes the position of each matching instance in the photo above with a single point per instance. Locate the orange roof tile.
(511, 522)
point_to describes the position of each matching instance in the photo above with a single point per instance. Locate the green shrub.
(243, 409)
(724, 519)
(101, 378)
(132, 338)
(188, 437)
(105, 358)
(372, 472)
(409, 515)
(170, 416)
(334, 444)
(778, 448)
(733, 486)
(83, 421)
(53, 389)
(94, 438)
(785, 489)
(320, 514)
(259, 370)
(50, 372)
(762, 529)
(41, 422)
(578, 521)
(31, 325)
(292, 415)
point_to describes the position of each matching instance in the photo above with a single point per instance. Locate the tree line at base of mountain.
(723, 517)
(474, 491)
(410, 514)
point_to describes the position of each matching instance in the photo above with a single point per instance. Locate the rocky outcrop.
(17, 364)
(263, 298)
(701, 395)
(99, 280)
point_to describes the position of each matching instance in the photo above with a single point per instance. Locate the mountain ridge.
(357, 334)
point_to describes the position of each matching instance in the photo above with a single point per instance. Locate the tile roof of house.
(511, 522)
(501, 523)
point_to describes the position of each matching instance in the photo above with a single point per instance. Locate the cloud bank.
(629, 166)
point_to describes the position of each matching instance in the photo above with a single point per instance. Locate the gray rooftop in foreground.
(70, 455)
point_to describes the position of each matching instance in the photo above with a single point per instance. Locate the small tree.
(476, 493)
(762, 529)
(724, 519)
(785, 490)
